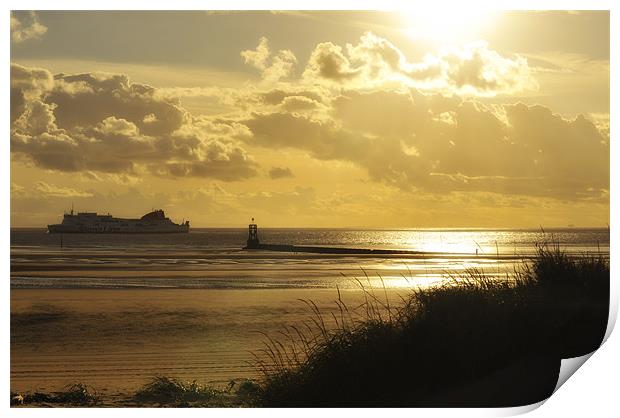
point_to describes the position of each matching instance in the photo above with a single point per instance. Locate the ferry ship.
(93, 223)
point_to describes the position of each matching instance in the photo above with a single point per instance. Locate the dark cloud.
(323, 139)
(25, 25)
(84, 100)
(404, 138)
(105, 123)
(326, 140)
(280, 173)
(27, 84)
(436, 144)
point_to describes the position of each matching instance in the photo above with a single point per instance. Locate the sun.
(445, 27)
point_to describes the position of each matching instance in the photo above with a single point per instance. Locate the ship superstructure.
(91, 222)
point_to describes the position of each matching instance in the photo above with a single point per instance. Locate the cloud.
(383, 158)
(32, 82)
(278, 96)
(258, 57)
(435, 144)
(25, 26)
(273, 67)
(37, 118)
(287, 202)
(86, 99)
(27, 84)
(299, 104)
(105, 123)
(113, 126)
(378, 58)
(398, 114)
(328, 62)
(56, 191)
(413, 126)
(601, 121)
(478, 70)
(17, 191)
(280, 173)
(474, 69)
(120, 179)
(323, 139)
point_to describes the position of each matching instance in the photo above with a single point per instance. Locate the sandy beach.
(114, 312)
(116, 340)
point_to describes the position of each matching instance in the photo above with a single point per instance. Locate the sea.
(113, 311)
(214, 258)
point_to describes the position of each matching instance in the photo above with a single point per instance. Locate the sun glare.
(446, 27)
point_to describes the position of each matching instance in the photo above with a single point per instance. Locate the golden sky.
(317, 119)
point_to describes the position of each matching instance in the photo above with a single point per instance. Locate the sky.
(358, 119)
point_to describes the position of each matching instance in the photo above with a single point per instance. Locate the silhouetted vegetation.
(474, 341)
(161, 391)
(166, 391)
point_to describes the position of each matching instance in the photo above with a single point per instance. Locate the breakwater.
(325, 250)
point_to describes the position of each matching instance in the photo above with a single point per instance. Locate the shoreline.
(115, 333)
(117, 339)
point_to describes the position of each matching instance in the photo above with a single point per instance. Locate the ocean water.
(213, 258)
(112, 311)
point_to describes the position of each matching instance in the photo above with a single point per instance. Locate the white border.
(592, 392)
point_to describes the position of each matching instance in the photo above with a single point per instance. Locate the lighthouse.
(252, 235)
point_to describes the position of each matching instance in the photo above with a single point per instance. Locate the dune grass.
(166, 391)
(160, 391)
(474, 341)
(76, 394)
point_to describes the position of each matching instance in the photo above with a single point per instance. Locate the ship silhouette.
(94, 223)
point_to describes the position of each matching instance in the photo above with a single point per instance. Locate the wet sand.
(117, 339)
(114, 311)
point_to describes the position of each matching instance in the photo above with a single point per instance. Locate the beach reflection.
(426, 272)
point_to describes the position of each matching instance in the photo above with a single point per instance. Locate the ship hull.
(60, 229)
(91, 223)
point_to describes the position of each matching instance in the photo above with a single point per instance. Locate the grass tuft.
(77, 394)
(473, 341)
(166, 390)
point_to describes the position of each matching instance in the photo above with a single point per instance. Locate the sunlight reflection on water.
(124, 336)
(212, 258)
